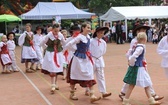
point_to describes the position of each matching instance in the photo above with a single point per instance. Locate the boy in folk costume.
(81, 65)
(53, 58)
(28, 50)
(37, 38)
(98, 49)
(136, 73)
(138, 28)
(11, 48)
(74, 32)
(162, 50)
(4, 56)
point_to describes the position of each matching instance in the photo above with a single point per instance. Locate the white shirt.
(11, 45)
(98, 49)
(162, 50)
(114, 29)
(37, 39)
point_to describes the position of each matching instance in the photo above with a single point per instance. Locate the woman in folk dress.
(53, 58)
(81, 66)
(28, 51)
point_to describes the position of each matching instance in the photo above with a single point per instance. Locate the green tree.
(82, 4)
(101, 6)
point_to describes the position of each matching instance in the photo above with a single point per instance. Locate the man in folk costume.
(81, 65)
(53, 58)
(138, 28)
(28, 50)
(74, 32)
(98, 49)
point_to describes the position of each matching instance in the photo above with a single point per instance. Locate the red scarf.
(75, 34)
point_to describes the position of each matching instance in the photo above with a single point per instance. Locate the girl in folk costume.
(4, 56)
(81, 66)
(65, 53)
(11, 48)
(162, 50)
(28, 50)
(137, 74)
(138, 29)
(98, 49)
(37, 39)
(53, 58)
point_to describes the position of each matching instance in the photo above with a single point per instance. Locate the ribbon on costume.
(76, 33)
(99, 42)
(144, 64)
(66, 53)
(89, 56)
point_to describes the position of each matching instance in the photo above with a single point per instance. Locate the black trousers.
(119, 38)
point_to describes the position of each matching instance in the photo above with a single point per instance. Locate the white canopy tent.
(141, 12)
(49, 10)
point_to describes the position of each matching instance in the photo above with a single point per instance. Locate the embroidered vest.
(139, 60)
(53, 43)
(27, 40)
(4, 49)
(82, 48)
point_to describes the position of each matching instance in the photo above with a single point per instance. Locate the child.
(98, 49)
(130, 36)
(11, 48)
(155, 38)
(53, 58)
(65, 53)
(39, 51)
(138, 28)
(137, 74)
(162, 50)
(28, 50)
(81, 65)
(4, 56)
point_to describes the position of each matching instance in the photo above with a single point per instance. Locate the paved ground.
(33, 89)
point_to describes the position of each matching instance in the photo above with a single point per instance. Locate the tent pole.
(6, 28)
(21, 26)
(126, 28)
(100, 22)
(150, 21)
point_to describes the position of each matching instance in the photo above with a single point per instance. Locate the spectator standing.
(119, 33)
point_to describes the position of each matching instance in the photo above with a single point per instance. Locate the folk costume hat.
(74, 28)
(138, 27)
(9, 34)
(100, 29)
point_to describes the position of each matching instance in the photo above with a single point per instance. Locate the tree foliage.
(101, 6)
